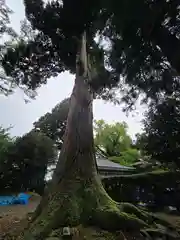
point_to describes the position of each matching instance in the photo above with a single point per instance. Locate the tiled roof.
(105, 164)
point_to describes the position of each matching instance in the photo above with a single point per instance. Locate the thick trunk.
(169, 44)
(77, 158)
(77, 154)
(77, 195)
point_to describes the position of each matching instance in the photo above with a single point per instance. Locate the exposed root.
(114, 220)
(89, 204)
(159, 233)
(135, 221)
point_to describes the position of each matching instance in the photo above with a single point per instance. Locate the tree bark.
(77, 195)
(78, 143)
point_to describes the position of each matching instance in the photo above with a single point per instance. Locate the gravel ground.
(11, 216)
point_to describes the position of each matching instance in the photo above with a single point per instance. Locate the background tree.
(5, 28)
(6, 31)
(61, 44)
(114, 141)
(53, 124)
(161, 132)
(27, 161)
(112, 138)
(5, 143)
(127, 157)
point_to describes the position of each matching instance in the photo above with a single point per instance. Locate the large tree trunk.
(77, 195)
(77, 154)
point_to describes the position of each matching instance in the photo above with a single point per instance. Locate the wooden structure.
(107, 168)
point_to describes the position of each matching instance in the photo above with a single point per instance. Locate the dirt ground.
(13, 221)
(11, 216)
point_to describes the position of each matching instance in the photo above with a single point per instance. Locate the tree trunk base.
(87, 203)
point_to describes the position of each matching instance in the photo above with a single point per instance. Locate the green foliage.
(161, 139)
(114, 142)
(111, 138)
(141, 32)
(138, 38)
(5, 28)
(35, 148)
(127, 157)
(6, 83)
(53, 123)
(56, 44)
(26, 163)
(5, 143)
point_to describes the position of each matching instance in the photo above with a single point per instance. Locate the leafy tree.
(140, 143)
(27, 162)
(141, 33)
(106, 139)
(61, 44)
(6, 83)
(111, 138)
(114, 141)
(53, 124)
(161, 132)
(127, 157)
(5, 28)
(5, 143)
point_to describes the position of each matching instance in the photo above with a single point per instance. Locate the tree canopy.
(53, 123)
(127, 157)
(113, 139)
(137, 48)
(141, 33)
(133, 46)
(54, 48)
(26, 161)
(5, 143)
(161, 132)
(6, 31)
(114, 142)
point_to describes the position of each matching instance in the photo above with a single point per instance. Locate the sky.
(16, 113)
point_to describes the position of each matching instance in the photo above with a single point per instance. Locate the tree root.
(151, 233)
(88, 204)
(150, 226)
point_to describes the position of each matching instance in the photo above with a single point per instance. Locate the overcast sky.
(21, 116)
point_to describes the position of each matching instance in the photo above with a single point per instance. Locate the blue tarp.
(22, 198)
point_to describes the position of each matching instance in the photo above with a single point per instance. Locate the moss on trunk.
(77, 195)
(79, 201)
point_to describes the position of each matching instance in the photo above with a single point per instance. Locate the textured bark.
(77, 154)
(78, 144)
(77, 195)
